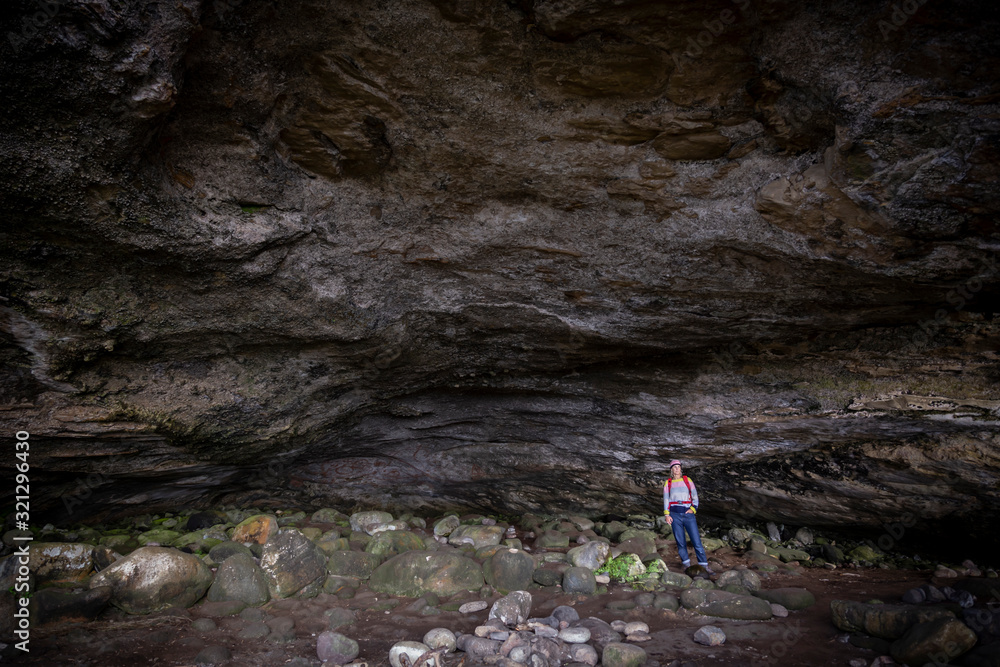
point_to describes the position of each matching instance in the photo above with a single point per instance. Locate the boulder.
(726, 605)
(833, 554)
(336, 648)
(882, 620)
(357, 564)
(509, 570)
(709, 635)
(366, 522)
(446, 526)
(291, 562)
(579, 580)
(641, 545)
(478, 648)
(414, 573)
(393, 542)
(258, 528)
(864, 554)
(154, 578)
(240, 578)
(591, 555)
(159, 537)
(789, 598)
(789, 555)
(552, 539)
(738, 537)
(747, 579)
(60, 562)
(805, 536)
(220, 552)
(53, 605)
(612, 530)
(581, 654)
(617, 654)
(547, 577)
(938, 642)
(676, 579)
(477, 536)
(512, 609)
(625, 567)
(666, 601)
(329, 515)
(412, 651)
(389, 526)
(440, 638)
(601, 633)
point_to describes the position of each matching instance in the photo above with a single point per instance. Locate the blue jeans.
(682, 521)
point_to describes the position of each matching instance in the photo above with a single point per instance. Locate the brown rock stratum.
(505, 256)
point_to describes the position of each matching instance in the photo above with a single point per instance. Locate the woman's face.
(675, 471)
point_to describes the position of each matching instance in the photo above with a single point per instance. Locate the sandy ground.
(804, 638)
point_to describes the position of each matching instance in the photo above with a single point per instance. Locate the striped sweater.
(678, 494)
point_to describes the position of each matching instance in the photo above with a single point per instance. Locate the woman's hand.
(690, 511)
(670, 520)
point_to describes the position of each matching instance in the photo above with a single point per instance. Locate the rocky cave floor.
(285, 631)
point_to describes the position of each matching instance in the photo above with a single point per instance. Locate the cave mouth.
(505, 258)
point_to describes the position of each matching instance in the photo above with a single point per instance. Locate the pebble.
(914, 596)
(578, 635)
(520, 654)
(634, 627)
(473, 607)
(637, 637)
(545, 631)
(778, 610)
(440, 637)
(618, 625)
(709, 635)
(413, 651)
(336, 648)
(565, 613)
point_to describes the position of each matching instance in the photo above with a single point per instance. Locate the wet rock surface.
(451, 248)
(449, 611)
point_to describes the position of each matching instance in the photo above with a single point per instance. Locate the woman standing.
(680, 504)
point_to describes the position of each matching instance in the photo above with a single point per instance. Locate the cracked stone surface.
(504, 256)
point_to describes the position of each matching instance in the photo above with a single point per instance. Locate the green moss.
(628, 567)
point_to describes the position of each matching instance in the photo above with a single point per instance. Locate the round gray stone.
(336, 648)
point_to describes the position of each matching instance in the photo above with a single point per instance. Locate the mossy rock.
(792, 599)
(353, 564)
(865, 553)
(417, 572)
(625, 567)
(158, 536)
(676, 579)
(393, 542)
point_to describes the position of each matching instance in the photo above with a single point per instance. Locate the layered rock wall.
(504, 255)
